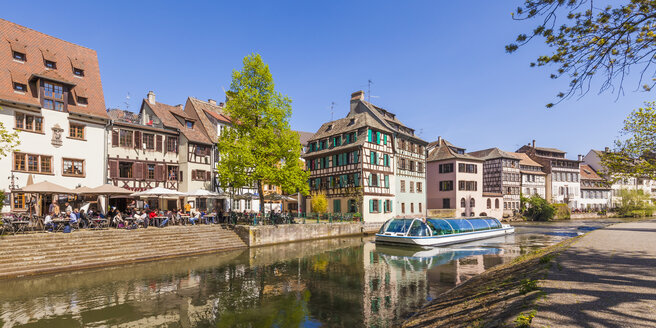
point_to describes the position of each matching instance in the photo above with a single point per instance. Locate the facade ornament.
(57, 135)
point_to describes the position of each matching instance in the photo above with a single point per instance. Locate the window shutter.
(370, 175)
(138, 171)
(334, 160)
(387, 181)
(180, 176)
(208, 176)
(378, 138)
(158, 144)
(158, 172)
(371, 206)
(369, 135)
(385, 139)
(137, 140)
(166, 144)
(113, 168)
(114, 138)
(380, 204)
(371, 157)
(390, 205)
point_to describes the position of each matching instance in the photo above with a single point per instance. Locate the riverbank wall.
(45, 253)
(255, 236)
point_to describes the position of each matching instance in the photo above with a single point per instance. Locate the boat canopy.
(437, 227)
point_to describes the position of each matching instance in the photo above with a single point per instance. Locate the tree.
(260, 147)
(356, 194)
(588, 41)
(538, 209)
(9, 141)
(634, 155)
(319, 202)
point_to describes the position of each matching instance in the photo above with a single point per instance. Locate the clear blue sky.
(439, 65)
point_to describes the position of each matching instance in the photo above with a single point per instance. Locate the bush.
(538, 209)
(634, 203)
(319, 203)
(562, 212)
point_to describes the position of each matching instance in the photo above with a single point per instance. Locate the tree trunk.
(259, 191)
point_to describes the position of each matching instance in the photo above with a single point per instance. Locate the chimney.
(151, 97)
(358, 95)
(580, 158)
(607, 150)
(439, 141)
(180, 107)
(211, 101)
(221, 104)
(533, 144)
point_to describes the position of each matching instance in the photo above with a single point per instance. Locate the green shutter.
(337, 206)
(371, 206)
(369, 135)
(356, 156)
(356, 179)
(380, 204)
(385, 139)
(387, 181)
(390, 206)
(355, 136)
(378, 137)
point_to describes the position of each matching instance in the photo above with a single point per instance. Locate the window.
(82, 101)
(19, 56)
(73, 167)
(419, 189)
(496, 203)
(412, 165)
(463, 203)
(402, 185)
(446, 168)
(19, 201)
(412, 207)
(32, 163)
(50, 64)
(125, 170)
(200, 175)
(412, 186)
(189, 124)
(489, 203)
(78, 72)
(28, 122)
(467, 168)
(472, 203)
(76, 131)
(53, 96)
(420, 167)
(172, 173)
(446, 185)
(150, 174)
(374, 205)
(446, 202)
(467, 185)
(402, 207)
(149, 141)
(20, 87)
(337, 206)
(172, 144)
(125, 138)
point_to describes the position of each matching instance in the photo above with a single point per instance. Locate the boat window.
(461, 225)
(479, 224)
(440, 227)
(494, 223)
(399, 225)
(385, 225)
(418, 229)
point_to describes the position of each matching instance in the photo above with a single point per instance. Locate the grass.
(528, 285)
(524, 319)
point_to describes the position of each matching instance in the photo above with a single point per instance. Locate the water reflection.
(349, 282)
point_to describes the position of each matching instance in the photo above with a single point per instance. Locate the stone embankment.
(42, 253)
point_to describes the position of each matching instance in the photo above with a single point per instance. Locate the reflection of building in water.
(391, 289)
(446, 276)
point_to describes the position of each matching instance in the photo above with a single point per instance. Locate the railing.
(293, 218)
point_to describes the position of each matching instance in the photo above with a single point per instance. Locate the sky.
(440, 66)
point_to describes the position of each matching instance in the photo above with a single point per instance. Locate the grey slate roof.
(443, 151)
(491, 153)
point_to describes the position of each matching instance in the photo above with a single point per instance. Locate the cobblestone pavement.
(607, 279)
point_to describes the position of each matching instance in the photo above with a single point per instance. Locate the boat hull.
(444, 239)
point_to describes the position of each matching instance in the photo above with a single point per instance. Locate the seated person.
(166, 221)
(84, 219)
(47, 221)
(194, 216)
(117, 220)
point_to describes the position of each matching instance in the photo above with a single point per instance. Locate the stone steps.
(54, 252)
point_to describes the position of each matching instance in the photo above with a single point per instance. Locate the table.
(98, 223)
(184, 219)
(19, 225)
(158, 220)
(209, 218)
(59, 224)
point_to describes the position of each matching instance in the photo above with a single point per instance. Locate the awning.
(158, 192)
(46, 187)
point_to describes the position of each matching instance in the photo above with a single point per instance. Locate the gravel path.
(606, 279)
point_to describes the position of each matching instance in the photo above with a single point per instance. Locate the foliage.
(634, 203)
(319, 202)
(356, 194)
(527, 286)
(538, 209)
(588, 41)
(562, 212)
(524, 319)
(635, 154)
(260, 147)
(9, 141)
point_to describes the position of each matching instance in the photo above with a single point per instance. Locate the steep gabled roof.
(444, 151)
(588, 172)
(553, 150)
(491, 153)
(166, 113)
(202, 109)
(304, 137)
(525, 160)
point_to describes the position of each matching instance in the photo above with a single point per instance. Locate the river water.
(342, 282)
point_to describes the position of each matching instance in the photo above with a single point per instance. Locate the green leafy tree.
(589, 39)
(538, 209)
(9, 140)
(260, 147)
(634, 154)
(634, 203)
(319, 203)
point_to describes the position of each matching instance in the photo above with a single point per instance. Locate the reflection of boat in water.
(418, 258)
(436, 232)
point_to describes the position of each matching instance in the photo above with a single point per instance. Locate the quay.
(44, 253)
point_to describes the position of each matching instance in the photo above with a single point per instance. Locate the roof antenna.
(127, 102)
(369, 82)
(332, 112)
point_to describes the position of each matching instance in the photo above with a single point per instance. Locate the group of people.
(70, 217)
(133, 218)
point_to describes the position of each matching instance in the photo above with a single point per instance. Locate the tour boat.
(438, 232)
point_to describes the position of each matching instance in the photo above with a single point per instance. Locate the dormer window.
(19, 56)
(351, 122)
(20, 87)
(50, 64)
(53, 96)
(190, 124)
(82, 101)
(78, 72)
(330, 127)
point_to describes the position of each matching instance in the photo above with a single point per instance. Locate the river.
(342, 282)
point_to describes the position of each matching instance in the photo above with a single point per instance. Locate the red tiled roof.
(36, 46)
(166, 114)
(588, 173)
